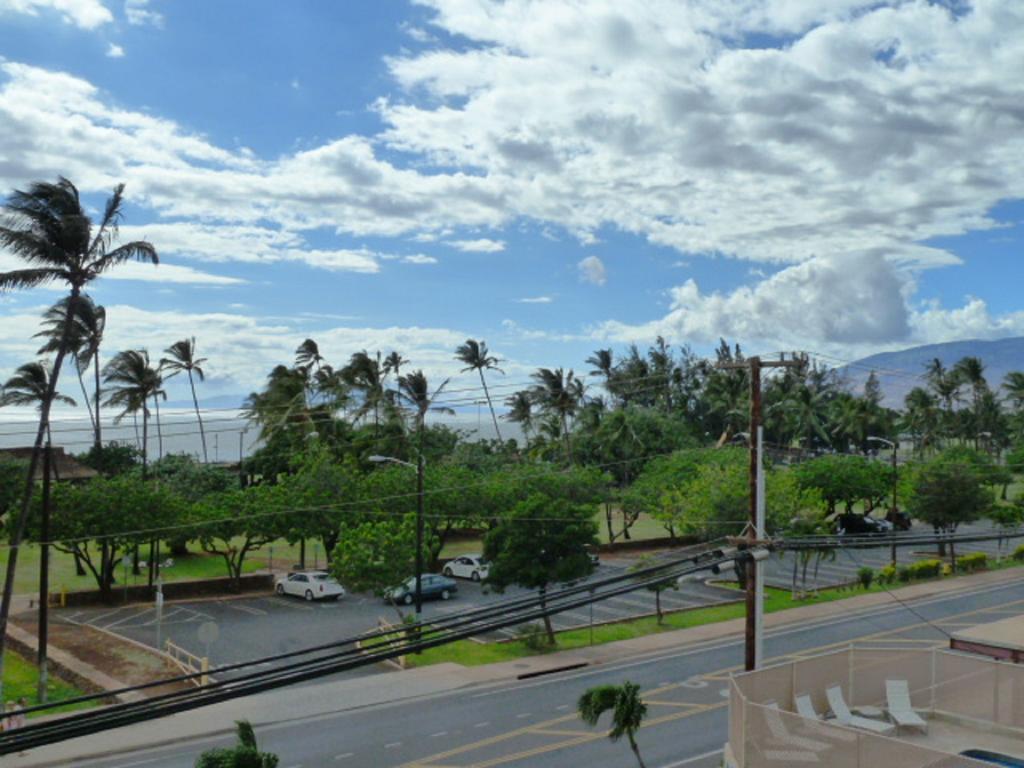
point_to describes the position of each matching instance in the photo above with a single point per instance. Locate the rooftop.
(968, 703)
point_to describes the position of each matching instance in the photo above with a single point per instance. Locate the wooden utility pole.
(754, 609)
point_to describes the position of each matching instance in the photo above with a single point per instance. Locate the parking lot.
(228, 630)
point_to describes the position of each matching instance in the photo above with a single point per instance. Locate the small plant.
(887, 574)
(975, 561)
(904, 574)
(865, 576)
(627, 708)
(1018, 553)
(243, 755)
(534, 637)
(947, 569)
(925, 569)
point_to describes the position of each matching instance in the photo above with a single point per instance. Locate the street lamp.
(895, 483)
(418, 466)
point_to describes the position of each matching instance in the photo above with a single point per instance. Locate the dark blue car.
(431, 585)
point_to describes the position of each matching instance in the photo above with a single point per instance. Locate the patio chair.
(897, 694)
(781, 734)
(805, 708)
(844, 716)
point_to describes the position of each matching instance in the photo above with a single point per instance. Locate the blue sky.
(550, 177)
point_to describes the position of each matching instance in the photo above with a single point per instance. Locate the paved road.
(532, 723)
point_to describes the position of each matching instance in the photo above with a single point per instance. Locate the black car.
(852, 523)
(431, 585)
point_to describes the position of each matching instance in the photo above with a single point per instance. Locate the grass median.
(21, 680)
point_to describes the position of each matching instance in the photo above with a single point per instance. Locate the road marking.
(243, 608)
(439, 734)
(344, 756)
(692, 760)
(522, 715)
(484, 724)
(392, 745)
(562, 707)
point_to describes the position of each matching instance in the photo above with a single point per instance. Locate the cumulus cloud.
(592, 270)
(481, 245)
(115, 51)
(419, 258)
(536, 300)
(87, 14)
(139, 14)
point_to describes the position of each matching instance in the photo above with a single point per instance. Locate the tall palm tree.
(627, 708)
(83, 344)
(603, 361)
(558, 393)
(1013, 385)
(414, 391)
(393, 364)
(307, 355)
(520, 411)
(182, 357)
(47, 227)
(366, 374)
(477, 358)
(132, 382)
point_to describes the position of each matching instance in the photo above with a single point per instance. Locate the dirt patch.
(122, 660)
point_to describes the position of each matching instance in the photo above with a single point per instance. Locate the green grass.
(21, 679)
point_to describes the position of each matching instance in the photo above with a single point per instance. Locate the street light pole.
(419, 467)
(895, 485)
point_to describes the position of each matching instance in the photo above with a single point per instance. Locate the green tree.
(541, 541)
(558, 394)
(182, 358)
(132, 383)
(846, 481)
(12, 480)
(112, 459)
(627, 708)
(234, 523)
(30, 386)
(946, 492)
(245, 754)
(48, 228)
(477, 358)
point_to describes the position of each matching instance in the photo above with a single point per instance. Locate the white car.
(468, 567)
(311, 585)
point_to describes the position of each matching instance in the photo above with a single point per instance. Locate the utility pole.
(754, 570)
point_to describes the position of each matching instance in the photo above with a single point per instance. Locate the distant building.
(63, 467)
(1003, 639)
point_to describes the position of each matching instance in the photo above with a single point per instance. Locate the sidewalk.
(321, 699)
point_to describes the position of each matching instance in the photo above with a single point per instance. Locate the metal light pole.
(895, 485)
(44, 576)
(418, 467)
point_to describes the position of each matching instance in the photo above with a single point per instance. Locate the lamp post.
(418, 467)
(895, 484)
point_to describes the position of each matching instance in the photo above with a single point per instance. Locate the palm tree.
(806, 411)
(48, 228)
(183, 358)
(627, 708)
(476, 357)
(520, 411)
(30, 385)
(393, 364)
(1013, 384)
(308, 355)
(132, 382)
(603, 361)
(366, 374)
(244, 753)
(414, 390)
(86, 336)
(558, 393)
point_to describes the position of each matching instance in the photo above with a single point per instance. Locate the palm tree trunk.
(18, 529)
(85, 396)
(159, 431)
(145, 441)
(199, 418)
(636, 751)
(490, 404)
(96, 368)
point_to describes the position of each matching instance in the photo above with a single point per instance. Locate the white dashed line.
(562, 707)
(521, 716)
(344, 756)
(392, 745)
(483, 724)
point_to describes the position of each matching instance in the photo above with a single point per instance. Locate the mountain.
(899, 372)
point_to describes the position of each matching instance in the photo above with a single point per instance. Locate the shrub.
(974, 561)
(887, 574)
(925, 569)
(534, 637)
(865, 576)
(903, 574)
(1018, 553)
(947, 569)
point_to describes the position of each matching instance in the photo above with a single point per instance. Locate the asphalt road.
(532, 723)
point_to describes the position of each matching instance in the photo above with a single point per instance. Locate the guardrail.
(189, 663)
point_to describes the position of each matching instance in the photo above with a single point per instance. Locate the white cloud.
(87, 14)
(536, 300)
(419, 258)
(482, 245)
(592, 270)
(139, 14)
(115, 51)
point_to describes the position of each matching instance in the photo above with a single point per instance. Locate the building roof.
(64, 467)
(1005, 633)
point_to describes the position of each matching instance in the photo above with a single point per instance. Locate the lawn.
(21, 679)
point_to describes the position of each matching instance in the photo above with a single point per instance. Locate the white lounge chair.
(897, 694)
(844, 716)
(782, 735)
(805, 708)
